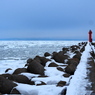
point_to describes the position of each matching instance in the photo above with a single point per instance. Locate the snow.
(38, 90)
(13, 64)
(79, 82)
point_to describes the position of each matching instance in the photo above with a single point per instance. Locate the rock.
(29, 60)
(74, 48)
(59, 57)
(32, 83)
(37, 58)
(7, 76)
(65, 49)
(43, 76)
(17, 78)
(42, 83)
(6, 85)
(92, 54)
(52, 64)
(20, 70)
(7, 70)
(47, 54)
(66, 75)
(20, 79)
(61, 83)
(72, 64)
(15, 91)
(72, 60)
(41, 60)
(82, 49)
(54, 53)
(78, 56)
(60, 69)
(93, 44)
(76, 52)
(26, 64)
(79, 44)
(35, 67)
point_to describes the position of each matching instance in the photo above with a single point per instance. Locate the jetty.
(70, 71)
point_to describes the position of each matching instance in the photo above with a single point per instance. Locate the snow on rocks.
(79, 80)
(45, 75)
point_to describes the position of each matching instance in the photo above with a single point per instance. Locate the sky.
(46, 19)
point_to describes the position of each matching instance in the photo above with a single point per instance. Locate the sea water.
(14, 54)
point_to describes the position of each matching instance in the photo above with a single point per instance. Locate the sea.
(14, 54)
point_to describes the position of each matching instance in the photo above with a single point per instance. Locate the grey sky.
(65, 19)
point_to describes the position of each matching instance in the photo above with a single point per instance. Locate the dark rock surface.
(6, 85)
(17, 78)
(60, 57)
(7, 70)
(20, 70)
(47, 54)
(52, 65)
(41, 60)
(60, 69)
(91, 75)
(35, 67)
(61, 83)
(71, 67)
(15, 92)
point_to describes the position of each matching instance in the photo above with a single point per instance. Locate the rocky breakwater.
(51, 70)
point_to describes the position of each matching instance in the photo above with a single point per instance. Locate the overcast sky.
(60, 19)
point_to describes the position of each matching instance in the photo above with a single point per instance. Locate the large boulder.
(20, 70)
(17, 78)
(7, 76)
(29, 60)
(60, 57)
(20, 79)
(37, 58)
(78, 56)
(6, 85)
(35, 67)
(41, 60)
(71, 67)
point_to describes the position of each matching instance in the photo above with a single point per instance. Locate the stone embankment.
(83, 81)
(64, 61)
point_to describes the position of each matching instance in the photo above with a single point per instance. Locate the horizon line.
(41, 39)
